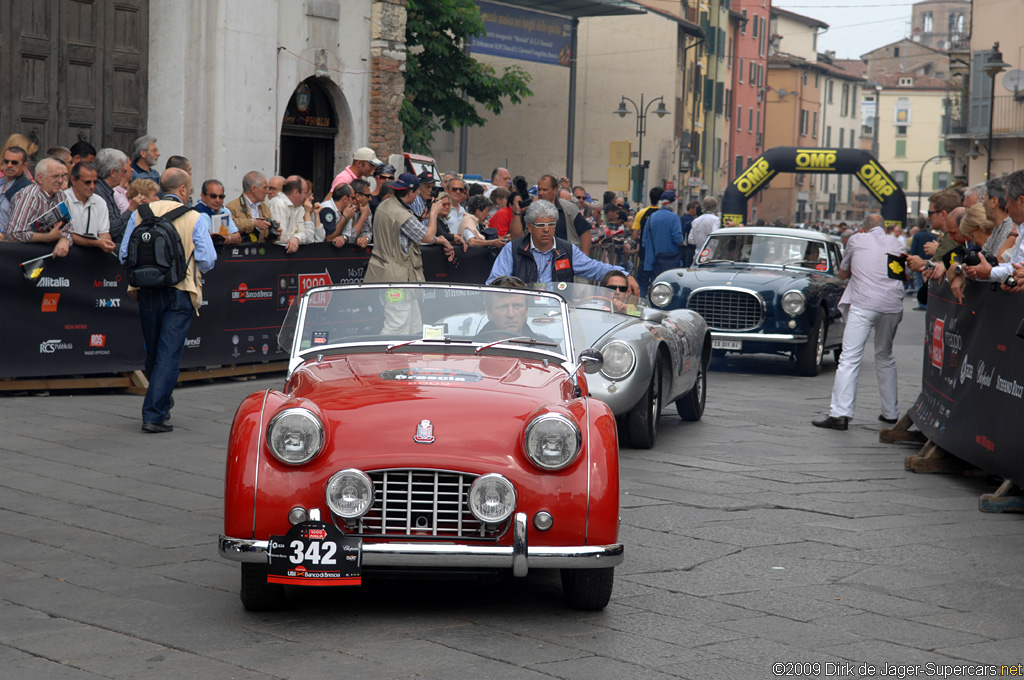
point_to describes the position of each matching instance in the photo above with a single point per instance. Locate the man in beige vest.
(250, 210)
(166, 313)
(397, 235)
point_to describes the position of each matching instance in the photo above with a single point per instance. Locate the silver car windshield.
(765, 249)
(431, 315)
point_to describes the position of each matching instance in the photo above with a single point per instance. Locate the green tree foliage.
(438, 72)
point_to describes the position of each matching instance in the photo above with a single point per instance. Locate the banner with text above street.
(75, 317)
(972, 393)
(523, 35)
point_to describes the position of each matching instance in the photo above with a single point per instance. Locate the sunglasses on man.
(217, 195)
(620, 289)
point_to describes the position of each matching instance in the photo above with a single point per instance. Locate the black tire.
(587, 589)
(810, 355)
(642, 421)
(690, 406)
(257, 595)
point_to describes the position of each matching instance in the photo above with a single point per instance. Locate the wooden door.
(74, 70)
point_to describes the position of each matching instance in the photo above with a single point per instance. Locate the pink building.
(749, 88)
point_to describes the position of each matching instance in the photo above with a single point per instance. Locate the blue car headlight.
(794, 302)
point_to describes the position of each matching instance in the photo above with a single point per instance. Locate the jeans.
(859, 323)
(166, 315)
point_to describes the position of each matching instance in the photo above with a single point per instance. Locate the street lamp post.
(920, 176)
(994, 65)
(641, 130)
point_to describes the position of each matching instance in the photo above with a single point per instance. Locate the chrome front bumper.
(519, 556)
(780, 338)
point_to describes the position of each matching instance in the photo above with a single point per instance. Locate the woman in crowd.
(978, 229)
(478, 208)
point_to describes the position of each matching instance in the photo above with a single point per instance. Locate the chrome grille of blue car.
(727, 310)
(421, 504)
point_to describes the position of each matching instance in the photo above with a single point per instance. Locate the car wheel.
(810, 355)
(642, 421)
(258, 595)
(588, 589)
(691, 405)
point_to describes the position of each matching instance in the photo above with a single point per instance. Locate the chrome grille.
(421, 504)
(727, 310)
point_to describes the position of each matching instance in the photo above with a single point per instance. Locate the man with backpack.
(164, 254)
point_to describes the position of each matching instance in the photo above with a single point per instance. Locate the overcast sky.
(855, 28)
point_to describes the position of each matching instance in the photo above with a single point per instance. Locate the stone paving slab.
(752, 538)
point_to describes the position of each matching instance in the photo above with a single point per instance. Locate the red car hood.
(373, 403)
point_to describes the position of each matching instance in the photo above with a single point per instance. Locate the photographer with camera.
(250, 210)
(978, 230)
(1009, 275)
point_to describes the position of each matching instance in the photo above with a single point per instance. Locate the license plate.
(726, 344)
(315, 554)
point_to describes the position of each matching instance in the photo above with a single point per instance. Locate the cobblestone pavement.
(752, 539)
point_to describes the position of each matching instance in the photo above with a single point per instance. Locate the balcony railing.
(1008, 115)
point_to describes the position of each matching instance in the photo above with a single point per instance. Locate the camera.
(1009, 281)
(525, 199)
(973, 258)
(434, 191)
(273, 232)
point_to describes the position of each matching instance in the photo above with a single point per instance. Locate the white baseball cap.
(365, 153)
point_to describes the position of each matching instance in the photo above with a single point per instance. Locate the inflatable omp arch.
(824, 161)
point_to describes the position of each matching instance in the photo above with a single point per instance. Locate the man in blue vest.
(662, 237)
(540, 257)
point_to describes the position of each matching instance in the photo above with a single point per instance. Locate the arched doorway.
(307, 136)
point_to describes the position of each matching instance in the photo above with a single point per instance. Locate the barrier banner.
(76, 317)
(972, 392)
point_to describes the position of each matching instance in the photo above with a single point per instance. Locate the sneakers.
(156, 428)
(831, 423)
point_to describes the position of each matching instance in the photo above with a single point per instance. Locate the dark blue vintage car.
(763, 290)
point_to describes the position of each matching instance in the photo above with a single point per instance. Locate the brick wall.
(387, 79)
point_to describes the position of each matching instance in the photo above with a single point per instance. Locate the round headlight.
(793, 302)
(552, 441)
(619, 360)
(492, 498)
(661, 294)
(349, 493)
(295, 435)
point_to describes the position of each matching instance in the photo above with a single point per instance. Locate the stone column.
(387, 76)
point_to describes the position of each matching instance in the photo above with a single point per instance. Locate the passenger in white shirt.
(90, 219)
(293, 210)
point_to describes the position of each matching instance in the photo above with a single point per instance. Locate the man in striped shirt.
(871, 301)
(31, 203)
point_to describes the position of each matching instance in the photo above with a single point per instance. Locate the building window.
(895, 51)
(743, 24)
(804, 79)
(740, 71)
(739, 166)
(828, 91)
(844, 102)
(728, 103)
(842, 133)
(926, 22)
(901, 178)
(753, 73)
(901, 130)
(750, 120)
(758, 128)
(906, 82)
(942, 146)
(739, 119)
(940, 180)
(803, 122)
(757, 20)
(817, 80)
(901, 148)
(853, 145)
(814, 126)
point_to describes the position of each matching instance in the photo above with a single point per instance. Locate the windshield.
(397, 315)
(765, 249)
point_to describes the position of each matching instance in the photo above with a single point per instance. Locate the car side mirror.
(591, 360)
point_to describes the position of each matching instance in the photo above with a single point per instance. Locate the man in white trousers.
(872, 301)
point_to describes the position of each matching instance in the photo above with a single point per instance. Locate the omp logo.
(753, 177)
(816, 160)
(874, 178)
(193, 342)
(51, 346)
(108, 302)
(51, 282)
(243, 293)
(50, 301)
(97, 340)
(736, 219)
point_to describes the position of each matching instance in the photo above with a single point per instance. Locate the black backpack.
(156, 257)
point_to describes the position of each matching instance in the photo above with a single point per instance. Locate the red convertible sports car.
(406, 438)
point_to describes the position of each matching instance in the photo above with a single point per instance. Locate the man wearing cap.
(662, 236)
(397, 235)
(364, 160)
(424, 197)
